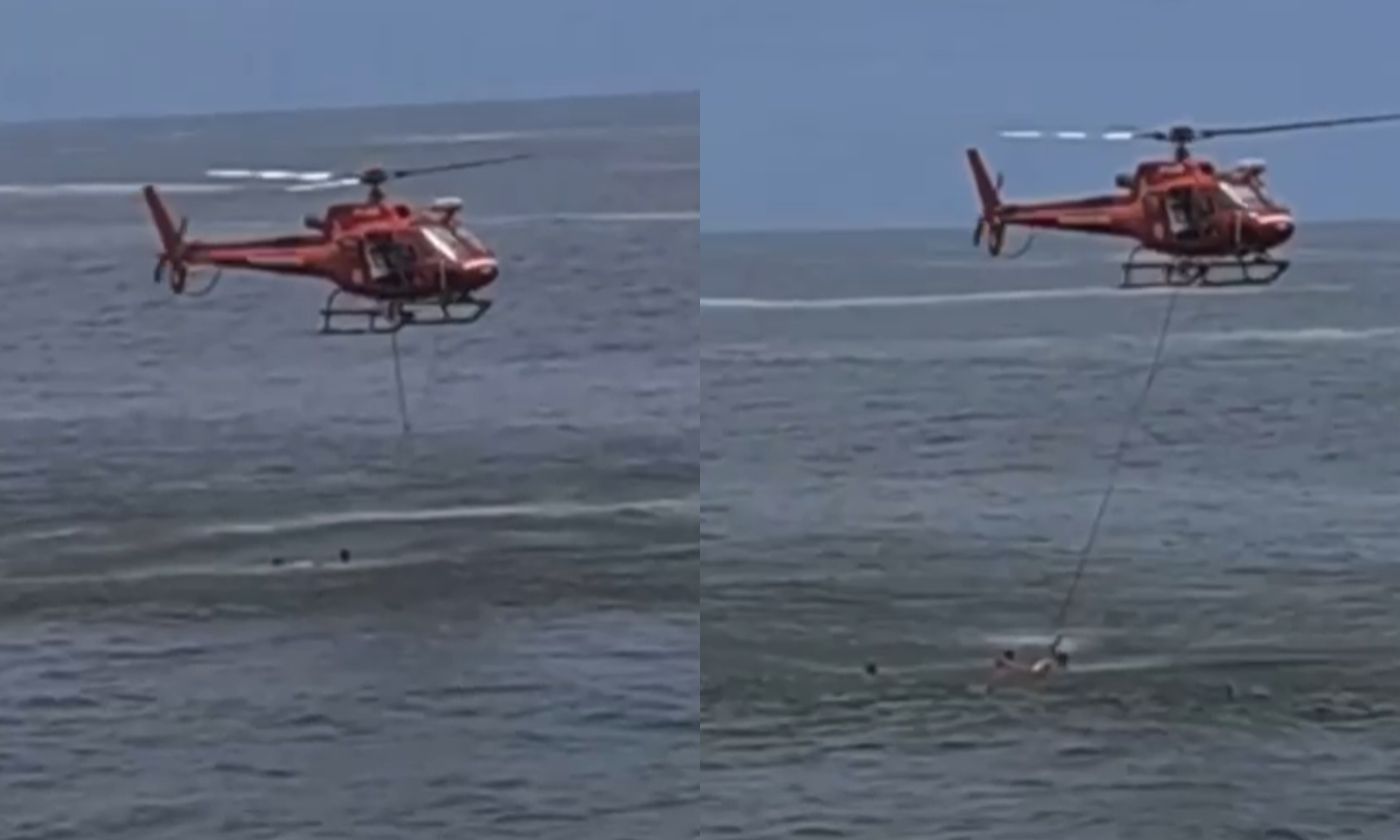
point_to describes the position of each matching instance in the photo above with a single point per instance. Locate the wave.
(43, 535)
(538, 510)
(657, 168)
(507, 135)
(108, 189)
(1301, 335)
(1024, 346)
(999, 296)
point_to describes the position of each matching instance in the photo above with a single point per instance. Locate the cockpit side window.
(469, 239)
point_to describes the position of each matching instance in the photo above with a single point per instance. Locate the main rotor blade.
(325, 185)
(1036, 134)
(446, 167)
(269, 175)
(1293, 126)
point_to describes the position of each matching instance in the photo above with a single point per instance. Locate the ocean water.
(512, 650)
(903, 443)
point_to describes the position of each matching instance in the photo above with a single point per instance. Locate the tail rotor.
(995, 232)
(989, 221)
(171, 262)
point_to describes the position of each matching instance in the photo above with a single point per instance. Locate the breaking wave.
(108, 189)
(467, 137)
(1004, 296)
(538, 510)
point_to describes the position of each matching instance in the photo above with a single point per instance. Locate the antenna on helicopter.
(1181, 136)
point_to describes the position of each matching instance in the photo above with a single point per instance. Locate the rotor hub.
(1181, 134)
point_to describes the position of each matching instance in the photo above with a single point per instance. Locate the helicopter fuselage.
(1180, 208)
(383, 250)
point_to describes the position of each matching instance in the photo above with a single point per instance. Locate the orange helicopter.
(1200, 217)
(416, 266)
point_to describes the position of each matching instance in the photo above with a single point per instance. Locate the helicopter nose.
(1273, 230)
(480, 271)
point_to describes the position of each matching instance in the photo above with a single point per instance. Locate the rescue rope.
(398, 381)
(1128, 426)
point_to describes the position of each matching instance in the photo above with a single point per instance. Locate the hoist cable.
(398, 381)
(1128, 425)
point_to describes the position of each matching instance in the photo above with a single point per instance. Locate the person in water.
(1057, 660)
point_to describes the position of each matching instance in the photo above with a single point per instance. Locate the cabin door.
(1190, 213)
(388, 263)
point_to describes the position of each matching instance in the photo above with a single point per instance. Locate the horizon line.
(542, 98)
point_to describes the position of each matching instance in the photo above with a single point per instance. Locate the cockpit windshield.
(444, 242)
(1243, 196)
(468, 239)
(450, 243)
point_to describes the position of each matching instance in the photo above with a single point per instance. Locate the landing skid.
(1190, 272)
(389, 318)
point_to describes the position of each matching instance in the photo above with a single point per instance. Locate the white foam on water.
(936, 349)
(108, 189)
(539, 510)
(1301, 335)
(657, 168)
(43, 535)
(508, 135)
(998, 296)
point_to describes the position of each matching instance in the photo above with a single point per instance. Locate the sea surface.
(903, 443)
(513, 649)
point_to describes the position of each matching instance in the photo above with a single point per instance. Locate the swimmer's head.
(345, 555)
(1008, 654)
(1061, 658)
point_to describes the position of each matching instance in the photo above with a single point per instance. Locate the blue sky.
(854, 113)
(75, 58)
